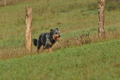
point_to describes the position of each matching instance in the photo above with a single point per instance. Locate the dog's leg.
(38, 50)
(42, 48)
(49, 50)
(38, 46)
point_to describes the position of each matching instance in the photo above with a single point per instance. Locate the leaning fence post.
(28, 35)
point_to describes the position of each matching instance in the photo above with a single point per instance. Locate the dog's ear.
(51, 30)
(57, 28)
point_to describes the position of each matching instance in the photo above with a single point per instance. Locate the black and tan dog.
(46, 40)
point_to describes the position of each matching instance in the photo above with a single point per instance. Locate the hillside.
(98, 61)
(74, 18)
(79, 55)
(70, 17)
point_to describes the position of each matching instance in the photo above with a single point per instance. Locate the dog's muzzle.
(57, 38)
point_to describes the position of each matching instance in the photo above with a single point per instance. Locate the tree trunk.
(28, 29)
(101, 30)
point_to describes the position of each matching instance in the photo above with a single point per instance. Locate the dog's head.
(55, 33)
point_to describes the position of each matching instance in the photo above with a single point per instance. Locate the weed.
(85, 37)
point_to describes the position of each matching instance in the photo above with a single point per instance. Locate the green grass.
(72, 58)
(68, 16)
(98, 61)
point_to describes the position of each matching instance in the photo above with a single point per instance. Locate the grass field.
(98, 61)
(79, 55)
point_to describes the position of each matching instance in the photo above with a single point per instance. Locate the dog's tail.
(35, 42)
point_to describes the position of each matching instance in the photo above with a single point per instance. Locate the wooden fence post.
(5, 3)
(28, 35)
(101, 30)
